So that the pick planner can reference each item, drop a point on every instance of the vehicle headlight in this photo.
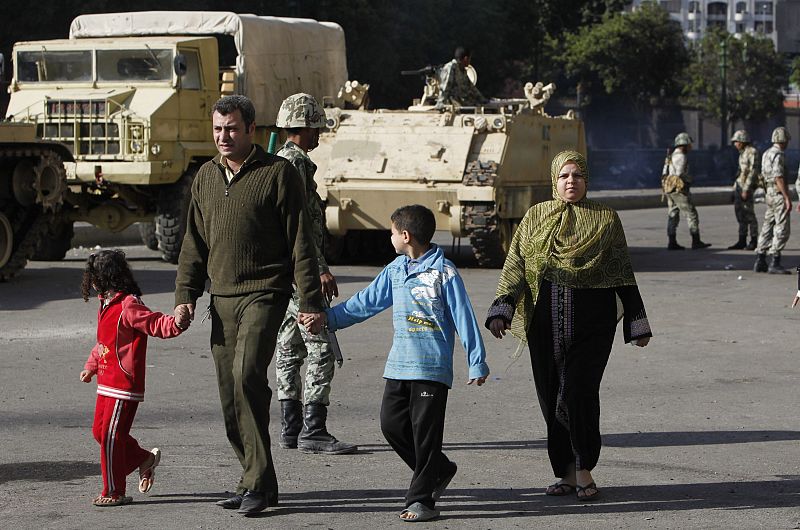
(136, 134)
(498, 123)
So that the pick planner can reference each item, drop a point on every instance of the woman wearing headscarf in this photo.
(565, 284)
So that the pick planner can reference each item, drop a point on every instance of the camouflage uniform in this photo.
(295, 344)
(746, 180)
(456, 88)
(776, 227)
(678, 201)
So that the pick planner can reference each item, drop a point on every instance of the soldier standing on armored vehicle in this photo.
(455, 87)
(679, 198)
(776, 227)
(302, 117)
(743, 189)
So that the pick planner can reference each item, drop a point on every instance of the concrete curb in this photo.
(651, 198)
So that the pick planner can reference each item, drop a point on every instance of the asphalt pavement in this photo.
(700, 428)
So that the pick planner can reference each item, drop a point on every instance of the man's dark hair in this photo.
(461, 52)
(229, 104)
(417, 221)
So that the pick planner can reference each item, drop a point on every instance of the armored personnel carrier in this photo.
(478, 169)
(32, 191)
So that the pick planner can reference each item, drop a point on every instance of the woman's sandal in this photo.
(148, 476)
(111, 500)
(587, 496)
(559, 489)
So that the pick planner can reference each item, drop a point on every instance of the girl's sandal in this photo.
(583, 495)
(111, 500)
(148, 476)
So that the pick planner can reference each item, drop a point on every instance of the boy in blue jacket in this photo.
(429, 304)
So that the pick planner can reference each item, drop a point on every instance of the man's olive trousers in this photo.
(243, 334)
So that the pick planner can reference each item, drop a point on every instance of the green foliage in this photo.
(639, 55)
(755, 76)
(794, 77)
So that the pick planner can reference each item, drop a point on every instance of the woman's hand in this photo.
(641, 342)
(498, 327)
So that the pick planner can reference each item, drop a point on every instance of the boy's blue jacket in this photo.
(429, 305)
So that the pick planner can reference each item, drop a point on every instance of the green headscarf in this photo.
(579, 245)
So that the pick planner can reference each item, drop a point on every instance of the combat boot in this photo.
(761, 263)
(752, 244)
(775, 266)
(673, 244)
(739, 245)
(291, 422)
(315, 438)
(696, 243)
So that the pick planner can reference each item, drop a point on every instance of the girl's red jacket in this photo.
(119, 355)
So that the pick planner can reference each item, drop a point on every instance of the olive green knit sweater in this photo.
(252, 234)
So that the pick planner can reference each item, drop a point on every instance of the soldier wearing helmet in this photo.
(302, 117)
(775, 230)
(744, 187)
(679, 198)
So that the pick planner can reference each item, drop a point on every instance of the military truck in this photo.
(129, 96)
(32, 191)
(478, 169)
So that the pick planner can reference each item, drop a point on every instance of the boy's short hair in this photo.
(417, 221)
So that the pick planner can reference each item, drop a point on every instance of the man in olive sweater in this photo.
(249, 233)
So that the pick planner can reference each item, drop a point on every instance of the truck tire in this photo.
(147, 231)
(173, 206)
(56, 241)
(19, 237)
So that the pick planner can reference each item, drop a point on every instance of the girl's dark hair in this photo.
(107, 270)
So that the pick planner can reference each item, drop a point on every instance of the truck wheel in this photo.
(173, 206)
(56, 241)
(20, 232)
(147, 231)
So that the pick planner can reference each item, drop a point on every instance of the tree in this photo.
(755, 77)
(638, 55)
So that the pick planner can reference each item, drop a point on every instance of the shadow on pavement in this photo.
(649, 259)
(498, 503)
(48, 471)
(672, 439)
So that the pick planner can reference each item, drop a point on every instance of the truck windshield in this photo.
(139, 65)
(42, 65)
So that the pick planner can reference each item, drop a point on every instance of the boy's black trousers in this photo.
(412, 421)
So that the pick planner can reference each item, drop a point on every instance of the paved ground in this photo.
(701, 428)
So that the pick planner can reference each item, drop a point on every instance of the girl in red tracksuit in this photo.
(118, 359)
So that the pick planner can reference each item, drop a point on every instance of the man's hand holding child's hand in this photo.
(183, 317)
(313, 322)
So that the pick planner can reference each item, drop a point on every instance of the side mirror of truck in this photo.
(179, 65)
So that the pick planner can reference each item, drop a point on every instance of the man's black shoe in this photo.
(231, 503)
(253, 502)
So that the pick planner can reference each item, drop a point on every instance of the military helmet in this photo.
(780, 135)
(741, 136)
(300, 110)
(683, 139)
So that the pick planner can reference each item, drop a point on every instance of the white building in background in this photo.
(778, 20)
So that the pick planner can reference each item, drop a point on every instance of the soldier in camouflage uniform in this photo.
(743, 189)
(775, 230)
(455, 88)
(305, 428)
(680, 200)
